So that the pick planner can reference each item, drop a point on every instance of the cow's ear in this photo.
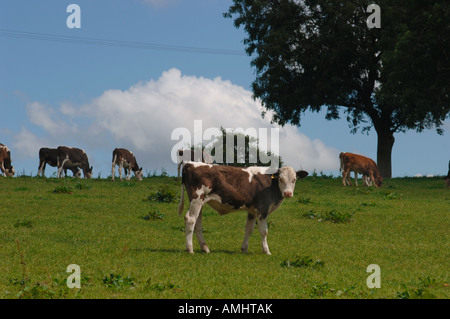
(301, 174)
(140, 169)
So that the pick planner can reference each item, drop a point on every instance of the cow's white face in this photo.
(88, 174)
(287, 177)
(77, 174)
(139, 174)
(286, 181)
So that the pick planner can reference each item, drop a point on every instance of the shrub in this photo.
(163, 196)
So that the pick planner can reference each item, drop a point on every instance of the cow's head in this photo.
(88, 173)
(378, 181)
(286, 177)
(139, 174)
(77, 174)
(10, 172)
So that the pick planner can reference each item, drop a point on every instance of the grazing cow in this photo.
(447, 178)
(192, 156)
(5, 161)
(49, 156)
(362, 165)
(228, 189)
(125, 159)
(72, 157)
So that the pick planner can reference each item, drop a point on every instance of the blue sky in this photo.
(100, 97)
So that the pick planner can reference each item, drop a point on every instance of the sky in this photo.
(136, 71)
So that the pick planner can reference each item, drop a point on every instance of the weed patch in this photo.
(155, 215)
(299, 262)
(118, 281)
(333, 216)
(62, 190)
(163, 196)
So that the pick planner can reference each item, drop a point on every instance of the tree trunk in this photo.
(384, 151)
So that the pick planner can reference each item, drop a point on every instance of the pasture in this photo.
(129, 241)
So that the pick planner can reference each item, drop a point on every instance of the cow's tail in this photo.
(181, 204)
(341, 158)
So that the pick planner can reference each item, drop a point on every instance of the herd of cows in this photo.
(225, 188)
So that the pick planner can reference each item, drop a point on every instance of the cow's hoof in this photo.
(206, 250)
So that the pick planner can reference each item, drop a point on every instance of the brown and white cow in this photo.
(125, 159)
(49, 156)
(5, 161)
(362, 165)
(72, 157)
(228, 189)
(184, 156)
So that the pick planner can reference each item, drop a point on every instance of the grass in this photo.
(129, 242)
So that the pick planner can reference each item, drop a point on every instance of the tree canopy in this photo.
(311, 55)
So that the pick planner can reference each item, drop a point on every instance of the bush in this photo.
(163, 196)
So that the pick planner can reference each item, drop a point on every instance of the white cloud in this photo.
(27, 144)
(143, 117)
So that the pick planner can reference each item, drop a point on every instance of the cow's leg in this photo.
(262, 225)
(249, 226)
(41, 169)
(113, 169)
(60, 168)
(373, 179)
(199, 233)
(128, 173)
(345, 173)
(120, 171)
(356, 178)
(189, 221)
(2, 168)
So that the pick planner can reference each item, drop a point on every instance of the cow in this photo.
(228, 189)
(447, 178)
(192, 156)
(49, 156)
(5, 161)
(362, 165)
(125, 159)
(72, 157)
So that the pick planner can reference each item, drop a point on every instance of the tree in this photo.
(311, 55)
(245, 148)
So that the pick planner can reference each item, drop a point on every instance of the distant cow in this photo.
(447, 178)
(5, 161)
(49, 156)
(125, 159)
(228, 189)
(362, 165)
(192, 156)
(72, 157)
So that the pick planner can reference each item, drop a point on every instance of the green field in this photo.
(129, 242)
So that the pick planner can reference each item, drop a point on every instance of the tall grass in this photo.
(129, 242)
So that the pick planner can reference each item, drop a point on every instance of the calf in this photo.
(192, 156)
(362, 165)
(125, 159)
(72, 157)
(5, 161)
(49, 156)
(228, 189)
